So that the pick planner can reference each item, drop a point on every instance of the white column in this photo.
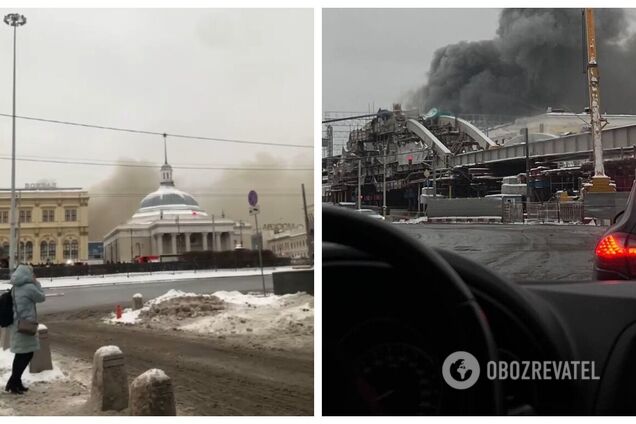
(174, 243)
(159, 244)
(187, 242)
(204, 239)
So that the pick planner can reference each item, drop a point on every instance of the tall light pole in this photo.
(600, 181)
(15, 20)
(359, 203)
(386, 147)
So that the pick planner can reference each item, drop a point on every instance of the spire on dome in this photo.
(165, 149)
(166, 169)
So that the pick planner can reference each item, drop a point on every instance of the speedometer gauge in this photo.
(398, 379)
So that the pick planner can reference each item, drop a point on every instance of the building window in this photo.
(52, 250)
(44, 251)
(70, 215)
(48, 215)
(4, 217)
(66, 250)
(28, 251)
(74, 249)
(25, 215)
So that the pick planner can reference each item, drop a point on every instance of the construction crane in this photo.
(600, 181)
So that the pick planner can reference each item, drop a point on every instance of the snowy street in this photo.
(227, 353)
(518, 252)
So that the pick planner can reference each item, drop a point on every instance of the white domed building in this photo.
(170, 222)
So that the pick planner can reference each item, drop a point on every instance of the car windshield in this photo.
(480, 161)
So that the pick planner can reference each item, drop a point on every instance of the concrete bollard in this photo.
(42, 358)
(151, 394)
(138, 301)
(5, 338)
(110, 382)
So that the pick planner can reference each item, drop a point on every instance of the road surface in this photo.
(73, 298)
(211, 376)
(518, 252)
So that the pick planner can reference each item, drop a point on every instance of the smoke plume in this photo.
(535, 61)
(114, 200)
(279, 192)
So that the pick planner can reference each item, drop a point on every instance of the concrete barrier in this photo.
(152, 394)
(109, 389)
(289, 282)
(5, 339)
(42, 358)
(137, 301)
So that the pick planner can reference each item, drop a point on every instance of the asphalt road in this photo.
(74, 298)
(518, 252)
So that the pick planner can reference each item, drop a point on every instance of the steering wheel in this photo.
(380, 358)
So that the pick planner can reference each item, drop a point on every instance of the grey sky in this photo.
(233, 73)
(379, 55)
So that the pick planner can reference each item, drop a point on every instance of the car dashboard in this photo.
(383, 335)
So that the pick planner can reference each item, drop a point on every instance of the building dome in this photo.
(167, 196)
(167, 200)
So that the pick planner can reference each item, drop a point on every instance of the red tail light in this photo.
(615, 246)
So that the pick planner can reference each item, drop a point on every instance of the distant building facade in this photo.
(52, 223)
(289, 245)
(171, 222)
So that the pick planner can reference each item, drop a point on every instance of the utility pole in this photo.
(386, 147)
(600, 182)
(359, 184)
(259, 240)
(15, 20)
(434, 174)
(310, 241)
(527, 141)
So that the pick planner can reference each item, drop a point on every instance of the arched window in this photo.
(28, 251)
(74, 249)
(44, 251)
(66, 249)
(21, 251)
(52, 251)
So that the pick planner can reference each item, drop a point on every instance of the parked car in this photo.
(370, 213)
(615, 253)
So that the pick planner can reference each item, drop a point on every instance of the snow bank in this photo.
(6, 363)
(258, 315)
(154, 277)
(281, 321)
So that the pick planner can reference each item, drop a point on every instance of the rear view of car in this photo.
(615, 253)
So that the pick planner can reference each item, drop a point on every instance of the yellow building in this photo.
(52, 225)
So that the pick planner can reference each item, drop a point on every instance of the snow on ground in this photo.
(6, 361)
(148, 277)
(61, 391)
(275, 322)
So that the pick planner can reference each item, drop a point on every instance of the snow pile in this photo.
(175, 304)
(290, 314)
(6, 363)
(273, 321)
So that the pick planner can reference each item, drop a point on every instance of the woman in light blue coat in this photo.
(26, 292)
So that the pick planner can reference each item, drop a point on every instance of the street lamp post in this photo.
(15, 20)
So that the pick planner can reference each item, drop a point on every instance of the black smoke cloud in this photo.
(535, 61)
